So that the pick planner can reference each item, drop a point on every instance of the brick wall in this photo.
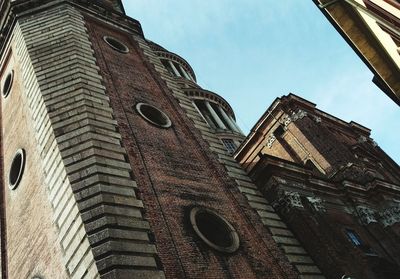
(175, 172)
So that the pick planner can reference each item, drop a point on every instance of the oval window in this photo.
(214, 230)
(115, 44)
(153, 115)
(7, 85)
(17, 169)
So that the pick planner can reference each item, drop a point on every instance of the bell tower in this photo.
(116, 163)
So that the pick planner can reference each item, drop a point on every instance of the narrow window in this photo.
(206, 113)
(354, 238)
(357, 241)
(218, 112)
(168, 67)
(16, 169)
(229, 145)
(7, 85)
(178, 67)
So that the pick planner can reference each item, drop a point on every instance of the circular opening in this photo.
(8, 84)
(214, 230)
(115, 44)
(17, 169)
(153, 115)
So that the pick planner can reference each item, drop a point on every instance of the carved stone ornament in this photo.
(362, 139)
(286, 120)
(317, 119)
(366, 214)
(299, 115)
(317, 203)
(270, 141)
(288, 200)
(390, 215)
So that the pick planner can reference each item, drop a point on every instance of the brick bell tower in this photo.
(116, 164)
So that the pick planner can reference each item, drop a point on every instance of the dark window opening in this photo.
(153, 115)
(115, 44)
(229, 145)
(179, 69)
(206, 113)
(8, 84)
(354, 238)
(279, 131)
(17, 169)
(218, 112)
(214, 230)
(357, 242)
(168, 67)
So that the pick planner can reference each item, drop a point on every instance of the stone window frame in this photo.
(6, 91)
(14, 185)
(233, 235)
(168, 121)
(229, 145)
(111, 41)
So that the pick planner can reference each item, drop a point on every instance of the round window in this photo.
(153, 115)
(214, 230)
(115, 44)
(17, 169)
(7, 85)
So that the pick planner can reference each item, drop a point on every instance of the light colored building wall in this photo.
(30, 228)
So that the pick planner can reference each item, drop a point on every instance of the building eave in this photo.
(391, 87)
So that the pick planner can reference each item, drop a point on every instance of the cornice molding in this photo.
(11, 11)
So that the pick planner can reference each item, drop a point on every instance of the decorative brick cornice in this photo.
(11, 10)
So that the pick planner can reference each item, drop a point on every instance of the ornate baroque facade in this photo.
(333, 186)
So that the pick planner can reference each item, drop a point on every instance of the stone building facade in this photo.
(116, 163)
(372, 29)
(335, 188)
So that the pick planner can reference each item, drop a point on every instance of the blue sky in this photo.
(252, 51)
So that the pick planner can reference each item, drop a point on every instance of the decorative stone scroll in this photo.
(362, 139)
(317, 119)
(366, 214)
(317, 203)
(288, 200)
(299, 115)
(286, 120)
(390, 215)
(270, 141)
